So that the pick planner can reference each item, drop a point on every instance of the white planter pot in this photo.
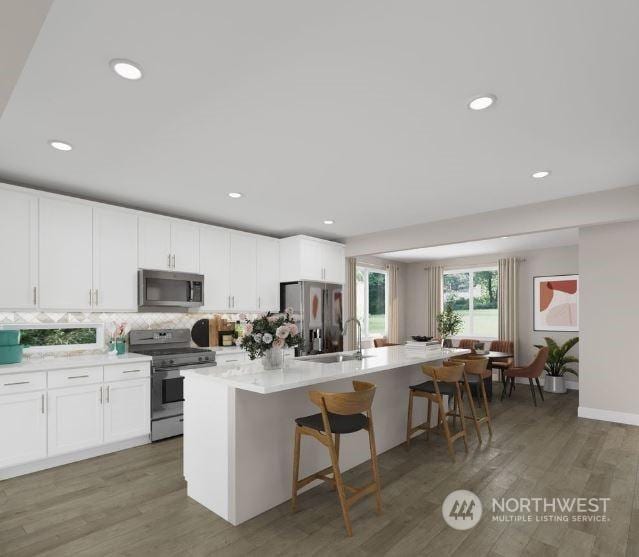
(554, 384)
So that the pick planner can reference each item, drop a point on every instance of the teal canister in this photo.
(9, 337)
(10, 354)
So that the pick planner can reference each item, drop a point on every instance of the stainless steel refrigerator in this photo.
(317, 307)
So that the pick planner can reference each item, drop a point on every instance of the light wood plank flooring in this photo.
(134, 502)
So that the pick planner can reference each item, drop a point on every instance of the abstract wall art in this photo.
(556, 303)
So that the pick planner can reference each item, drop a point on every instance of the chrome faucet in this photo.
(358, 354)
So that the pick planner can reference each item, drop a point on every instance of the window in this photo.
(372, 294)
(473, 293)
(52, 337)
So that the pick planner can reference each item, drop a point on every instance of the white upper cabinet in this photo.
(65, 255)
(268, 274)
(18, 246)
(243, 270)
(168, 244)
(306, 258)
(115, 260)
(184, 247)
(154, 243)
(214, 265)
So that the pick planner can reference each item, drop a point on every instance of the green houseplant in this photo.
(558, 364)
(449, 323)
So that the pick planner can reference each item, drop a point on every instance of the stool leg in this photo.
(296, 467)
(442, 418)
(428, 410)
(337, 440)
(375, 467)
(485, 399)
(341, 492)
(471, 402)
(409, 423)
(455, 410)
(463, 424)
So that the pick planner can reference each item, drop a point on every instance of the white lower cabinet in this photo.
(75, 418)
(23, 428)
(127, 409)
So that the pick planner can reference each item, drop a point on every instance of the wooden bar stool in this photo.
(340, 413)
(475, 371)
(444, 381)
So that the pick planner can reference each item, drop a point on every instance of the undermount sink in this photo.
(332, 358)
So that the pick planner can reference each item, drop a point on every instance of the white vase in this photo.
(273, 358)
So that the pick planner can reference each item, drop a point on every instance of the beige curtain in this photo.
(350, 302)
(508, 311)
(393, 303)
(434, 280)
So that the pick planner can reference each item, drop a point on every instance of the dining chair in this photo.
(502, 364)
(467, 343)
(381, 342)
(530, 372)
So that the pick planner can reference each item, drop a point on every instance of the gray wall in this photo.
(609, 308)
(553, 261)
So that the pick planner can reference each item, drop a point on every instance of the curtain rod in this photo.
(471, 265)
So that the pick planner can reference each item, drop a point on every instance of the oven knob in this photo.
(200, 359)
(171, 362)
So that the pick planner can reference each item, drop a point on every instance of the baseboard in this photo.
(572, 385)
(608, 416)
(59, 460)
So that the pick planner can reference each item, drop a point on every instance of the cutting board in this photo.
(200, 333)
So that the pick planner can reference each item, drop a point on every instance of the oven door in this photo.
(167, 393)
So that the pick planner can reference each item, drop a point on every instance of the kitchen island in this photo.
(239, 423)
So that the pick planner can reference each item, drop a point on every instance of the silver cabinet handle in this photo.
(16, 383)
(35, 295)
(259, 301)
(108, 394)
(100, 395)
(233, 298)
(76, 376)
(169, 263)
(96, 296)
(131, 370)
(232, 361)
(90, 296)
(43, 403)
(174, 261)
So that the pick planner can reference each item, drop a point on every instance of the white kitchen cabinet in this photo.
(23, 428)
(214, 265)
(168, 244)
(115, 260)
(243, 270)
(306, 258)
(75, 419)
(268, 274)
(18, 246)
(154, 243)
(65, 255)
(127, 409)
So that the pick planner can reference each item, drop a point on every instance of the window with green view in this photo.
(372, 301)
(57, 337)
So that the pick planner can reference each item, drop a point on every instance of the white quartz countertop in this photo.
(298, 372)
(69, 362)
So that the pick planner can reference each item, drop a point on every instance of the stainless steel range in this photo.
(171, 351)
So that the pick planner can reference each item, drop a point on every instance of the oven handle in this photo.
(192, 366)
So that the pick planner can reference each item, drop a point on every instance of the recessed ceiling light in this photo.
(235, 194)
(329, 221)
(541, 174)
(481, 103)
(126, 69)
(505, 237)
(60, 145)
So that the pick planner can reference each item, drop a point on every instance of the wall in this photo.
(609, 308)
(553, 261)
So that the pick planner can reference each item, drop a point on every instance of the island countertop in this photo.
(299, 372)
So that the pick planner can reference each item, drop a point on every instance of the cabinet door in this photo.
(127, 409)
(115, 260)
(75, 418)
(334, 263)
(154, 243)
(243, 266)
(65, 255)
(268, 274)
(18, 246)
(311, 264)
(23, 433)
(184, 247)
(214, 265)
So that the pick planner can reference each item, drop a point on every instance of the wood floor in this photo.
(134, 502)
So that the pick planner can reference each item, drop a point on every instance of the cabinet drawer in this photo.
(22, 382)
(74, 377)
(117, 372)
(222, 359)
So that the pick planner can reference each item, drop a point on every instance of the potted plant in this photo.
(449, 323)
(557, 364)
(267, 335)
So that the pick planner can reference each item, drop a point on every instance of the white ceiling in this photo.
(509, 244)
(354, 111)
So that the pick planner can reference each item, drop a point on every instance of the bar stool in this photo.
(340, 413)
(475, 371)
(444, 381)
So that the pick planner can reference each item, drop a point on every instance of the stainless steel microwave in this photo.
(169, 291)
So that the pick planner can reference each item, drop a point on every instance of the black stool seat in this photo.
(429, 387)
(339, 423)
